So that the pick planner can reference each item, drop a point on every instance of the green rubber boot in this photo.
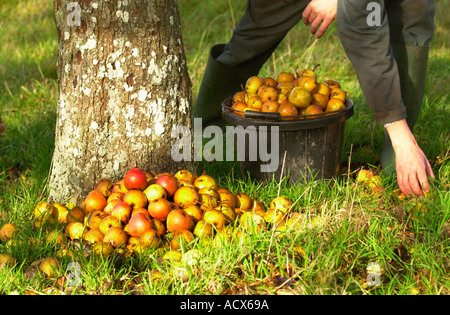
(219, 82)
(412, 66)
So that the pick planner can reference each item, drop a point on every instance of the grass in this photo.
(344, 227)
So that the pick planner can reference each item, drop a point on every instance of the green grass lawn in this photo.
(343, 229)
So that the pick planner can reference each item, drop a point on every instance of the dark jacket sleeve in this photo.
(369, 51)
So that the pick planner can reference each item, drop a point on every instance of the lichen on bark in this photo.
(123, 86)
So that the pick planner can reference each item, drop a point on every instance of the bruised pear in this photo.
(334, 104)
(285, 88)
(282, 98)
(254, 102)
(300, 97)
(323, 88)
(267, 93)
(270, 107)
(320, 100)
(238, 96)
(238, 108)
(308, 83)
(339, 94)
(333, 83)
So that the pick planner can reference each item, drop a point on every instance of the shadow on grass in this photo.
(29, 147)
(28, 45)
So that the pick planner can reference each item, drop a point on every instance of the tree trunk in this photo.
(123, 87)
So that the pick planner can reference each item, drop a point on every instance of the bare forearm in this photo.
(413, 168)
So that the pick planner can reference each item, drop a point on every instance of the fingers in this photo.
(306, 15)
(403, 183)
(320, 14)
(323, 28)
(315, 21)
(415, 181)
(429, 170)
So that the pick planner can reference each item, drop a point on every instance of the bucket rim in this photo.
(300, 124)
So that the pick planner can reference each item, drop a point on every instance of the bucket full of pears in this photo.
(309, 116)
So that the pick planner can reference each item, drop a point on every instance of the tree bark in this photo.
(123, 87)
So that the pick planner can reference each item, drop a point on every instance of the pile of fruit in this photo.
(159, 212)
(293, 97)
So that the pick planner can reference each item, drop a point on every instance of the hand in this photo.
(412, 165)
(2, 127)
(320, 13)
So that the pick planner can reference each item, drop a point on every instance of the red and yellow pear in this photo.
(94, 201)
(285, 76)
(185, 175)
(149, 238)
(181, 238)
(178, 219)
(226, 196)
(116, 237)
(93, 236)
(195, 212)
(139, 224)
(45, 211)
(136, 198)
(62, 212)
(300, 97)
(8, 231)
(104, 186)
(122, 211)
(203, 229)
(186, 196)
(160, 209)
(281, 203)
(76, 230)
(168, 182)
(205, 181)
(108, 222)
(76, 214)
(102, 249)
(252, 84)
(136, 179)
(244, 202)
(143, 211)
(215, 218)
(155, 191)
(50, 267)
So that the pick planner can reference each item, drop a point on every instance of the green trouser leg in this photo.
(412, 65)
(261, 29)
(219, 82)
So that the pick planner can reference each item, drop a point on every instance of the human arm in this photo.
(413, 168)
(368, 48)
(320, 14)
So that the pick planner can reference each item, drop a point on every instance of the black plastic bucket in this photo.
(308, 148)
